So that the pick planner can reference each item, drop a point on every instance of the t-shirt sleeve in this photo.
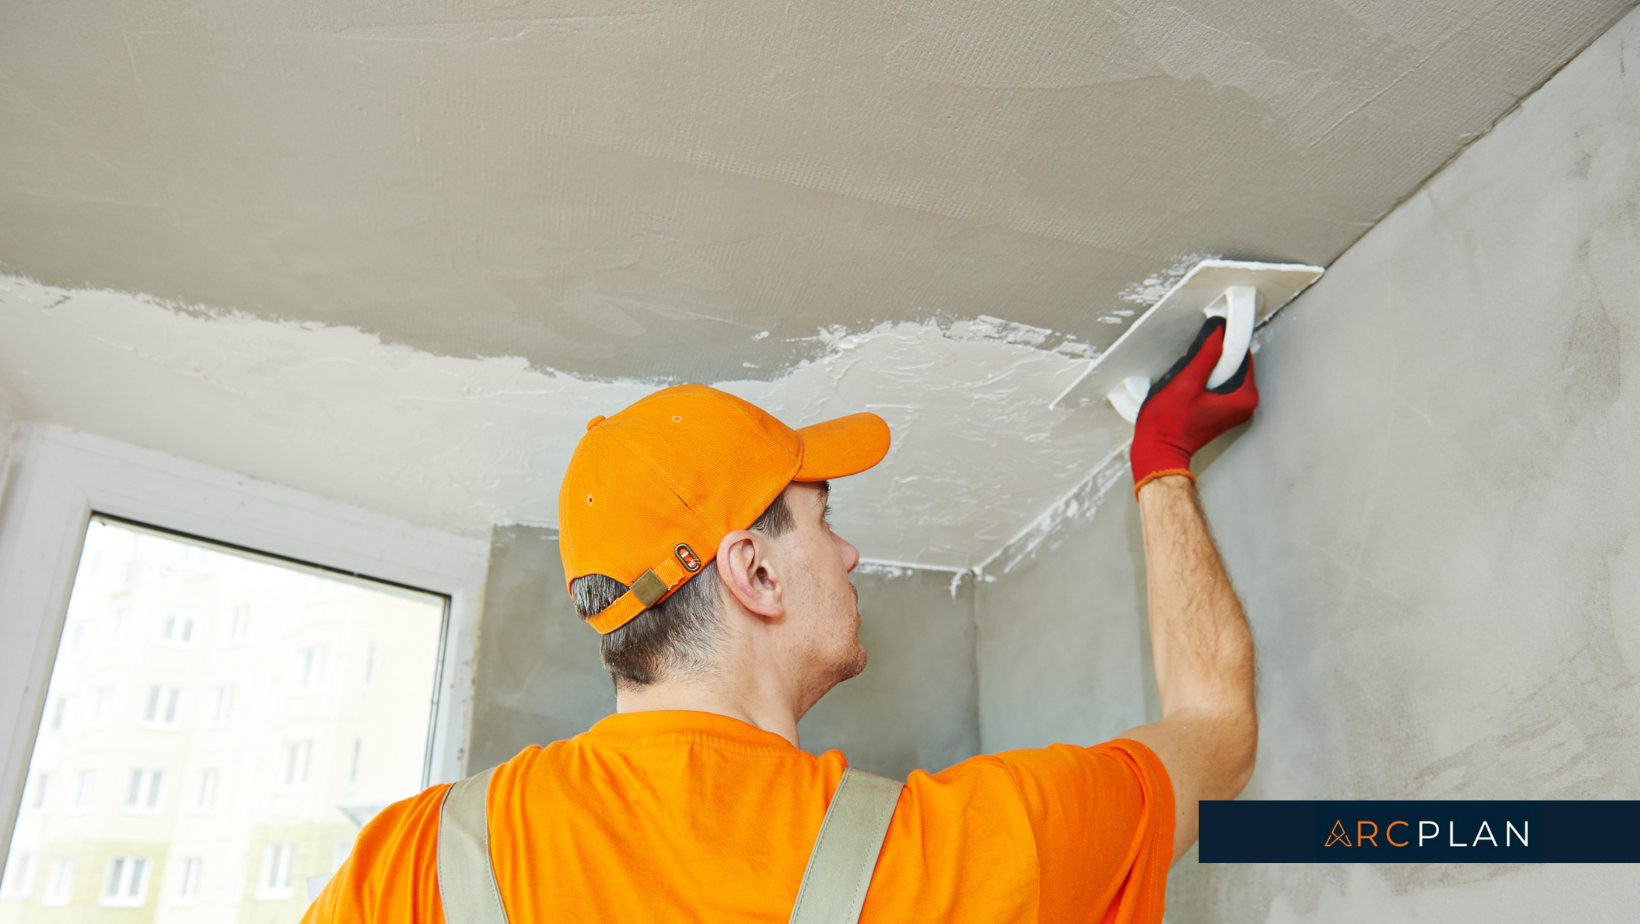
(391, 875)
(1103, 822)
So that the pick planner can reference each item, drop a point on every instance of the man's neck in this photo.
(747, 703)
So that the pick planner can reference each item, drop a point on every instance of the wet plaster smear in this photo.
(462, 444)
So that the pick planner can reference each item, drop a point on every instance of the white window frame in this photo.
(273, 880)
(59, 890)
(295, 765)
(17, 876)
(204, 797)
(126, 890)
(60, 477)
(188, 875)
(180, 627)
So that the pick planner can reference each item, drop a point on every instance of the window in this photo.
(310, 669)
(239, 622)
(37, 792)
(84, 786)
(293, 766)
(222, 705)
(188, 880)
(274, 882)
(129, 778)
(18, 879)
(164, 707)
(119, 629)
(58, 713)
(205, 790)
(59, 883)
(353, 768)
(323, 589)
(101, 706)
(179, 627)
(145, 792)
(193, 557)
(127, 882)
(369, 663)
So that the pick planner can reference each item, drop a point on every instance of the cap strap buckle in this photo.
(650, 588)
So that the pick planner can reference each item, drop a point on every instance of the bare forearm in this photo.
(1199, 635)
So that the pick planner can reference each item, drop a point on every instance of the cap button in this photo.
(595, 421)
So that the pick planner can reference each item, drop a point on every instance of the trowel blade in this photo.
(1163, 333)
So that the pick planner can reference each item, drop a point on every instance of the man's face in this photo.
(821, 599)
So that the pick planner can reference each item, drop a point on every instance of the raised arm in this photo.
(1208, 735)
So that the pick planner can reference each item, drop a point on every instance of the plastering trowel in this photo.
(1244, 294)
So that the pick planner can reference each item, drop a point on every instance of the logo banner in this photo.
(1420, 832)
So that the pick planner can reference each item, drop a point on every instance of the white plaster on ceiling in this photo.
(463, 443)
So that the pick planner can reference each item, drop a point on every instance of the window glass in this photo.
(200, 765)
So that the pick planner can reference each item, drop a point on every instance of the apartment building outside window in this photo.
(145, 765)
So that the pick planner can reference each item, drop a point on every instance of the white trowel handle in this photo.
(1238, 307)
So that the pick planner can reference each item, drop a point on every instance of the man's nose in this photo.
(851, 555)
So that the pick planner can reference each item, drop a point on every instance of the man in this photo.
(694, 537)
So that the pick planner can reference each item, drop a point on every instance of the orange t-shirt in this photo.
(664, 816)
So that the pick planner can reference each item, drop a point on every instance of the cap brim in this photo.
(845, 446)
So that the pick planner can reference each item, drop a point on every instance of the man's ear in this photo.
(748, 569)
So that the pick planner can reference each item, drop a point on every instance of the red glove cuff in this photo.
(1181, 415)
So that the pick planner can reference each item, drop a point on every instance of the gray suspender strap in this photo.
(834, 885)
(845, 852)
(466, 880)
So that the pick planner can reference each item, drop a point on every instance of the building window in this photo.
(369, 664)
(120, 629)
(205, 790)
(59, 713)
(164, 707)
(179, 627)
(126, 771)
(239, 623)
(193, 557)
(293, 765)
(101, 706)
(274, 882)
(188, 881)
(84, 786)
(323, 589)
(222, 705)
(59, 883)
(18, 879)
(146, 792)
(310, 669)
(127, 882)
(353, 767)
(37, 792)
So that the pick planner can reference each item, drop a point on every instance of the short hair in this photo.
(678, 635)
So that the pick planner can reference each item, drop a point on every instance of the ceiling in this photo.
(634, 193)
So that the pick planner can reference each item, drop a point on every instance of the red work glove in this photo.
(1182, 415)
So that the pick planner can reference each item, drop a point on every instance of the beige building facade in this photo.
(217, 728)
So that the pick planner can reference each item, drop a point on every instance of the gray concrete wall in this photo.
(1432, 522)
(1062, 651)
(539, 678)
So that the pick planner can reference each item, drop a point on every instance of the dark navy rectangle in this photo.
(1452, 831)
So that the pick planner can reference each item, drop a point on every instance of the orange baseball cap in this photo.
(651, 491)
